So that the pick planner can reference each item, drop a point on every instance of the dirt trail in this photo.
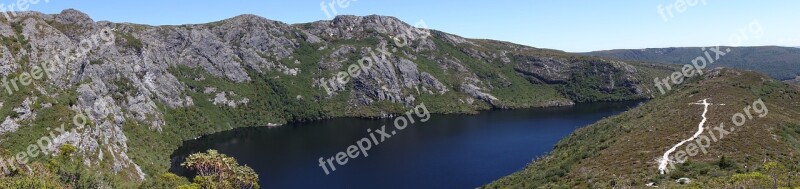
(664, 161)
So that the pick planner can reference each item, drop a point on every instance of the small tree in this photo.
(66, 150)
(71, 170)
(774, 169)
(217, 170)
(725, 163)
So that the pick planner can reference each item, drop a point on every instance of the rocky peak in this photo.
(72, 16)
(369, 19)
(376, 22)
(250, 19)
(359, 27)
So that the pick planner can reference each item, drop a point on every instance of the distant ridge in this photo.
(782, 63)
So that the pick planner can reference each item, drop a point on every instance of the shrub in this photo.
(217, 170)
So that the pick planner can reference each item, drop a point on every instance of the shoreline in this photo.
(183, 143)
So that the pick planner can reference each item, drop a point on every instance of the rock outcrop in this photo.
(144, 70)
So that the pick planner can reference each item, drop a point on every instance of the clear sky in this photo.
(570, 25)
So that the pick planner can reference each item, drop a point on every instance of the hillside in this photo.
(624, 150)
(138, 91)
(781, 63)
(795, 81)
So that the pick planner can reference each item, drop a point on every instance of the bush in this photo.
(217, 170)
(166, 180)
(725, 163)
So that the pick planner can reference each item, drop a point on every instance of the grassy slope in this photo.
(623, 149)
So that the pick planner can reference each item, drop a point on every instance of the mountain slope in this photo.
(147, 88)
(624, 150)
(795, 81)
(782, 63)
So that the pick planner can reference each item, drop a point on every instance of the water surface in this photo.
(447, 151)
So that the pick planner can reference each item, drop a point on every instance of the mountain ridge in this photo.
(165, 84)
(782, 63)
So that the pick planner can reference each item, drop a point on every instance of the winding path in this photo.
(662, 165)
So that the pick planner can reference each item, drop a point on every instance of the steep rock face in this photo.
(248, 64)
(22, 113)
(612, 74)
(548, 69)
(354, 27)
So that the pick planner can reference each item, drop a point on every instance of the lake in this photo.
(447, 151)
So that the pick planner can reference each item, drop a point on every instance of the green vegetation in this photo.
(69, 29)
(508, 85)
(585, 85)
(619, 151)
(65, 170)
(129, 40)
(17, 42)
(791, 134)
(215, 170)
(169, 180)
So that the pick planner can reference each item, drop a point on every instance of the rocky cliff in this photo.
(144, 88)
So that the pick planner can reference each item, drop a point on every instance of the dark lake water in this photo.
(447, 151)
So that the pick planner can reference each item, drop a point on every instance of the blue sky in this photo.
(570, 25)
